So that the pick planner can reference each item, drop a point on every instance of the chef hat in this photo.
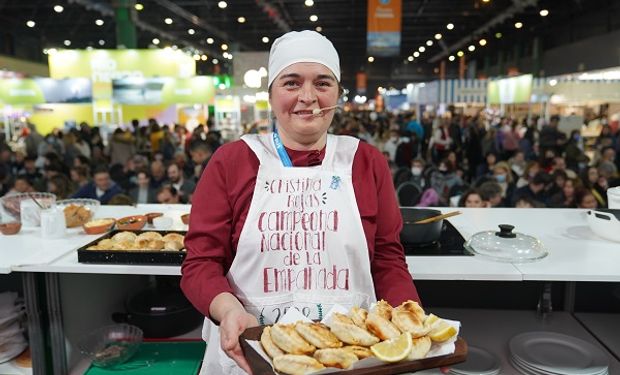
(302, 46)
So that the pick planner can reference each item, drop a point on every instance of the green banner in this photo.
(510, 90)
(106, 65)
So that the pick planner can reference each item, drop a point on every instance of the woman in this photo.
(595, 183)
(258, 194)
(503, 175)
(471, 198)
(566, 197)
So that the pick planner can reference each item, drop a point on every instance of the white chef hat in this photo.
(302, 46)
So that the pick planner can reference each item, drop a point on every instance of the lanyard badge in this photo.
(286, 160)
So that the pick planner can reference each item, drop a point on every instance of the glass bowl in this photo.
(78, 211)
(21, 207)
(111, 345)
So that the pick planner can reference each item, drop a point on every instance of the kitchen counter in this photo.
(576, 253)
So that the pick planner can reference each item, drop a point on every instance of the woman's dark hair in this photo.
(466, 195)
(63, 186)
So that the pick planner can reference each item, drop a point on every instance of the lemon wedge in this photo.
(430, 320)
(393, 350)
(442, 331)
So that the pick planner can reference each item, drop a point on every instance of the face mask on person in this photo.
(416, 171)
(501, 178)
(443, 169)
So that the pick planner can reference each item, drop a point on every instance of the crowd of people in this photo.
(447, 160)
(487, 161)
(143, 163)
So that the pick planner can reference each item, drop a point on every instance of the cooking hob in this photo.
(450, 244)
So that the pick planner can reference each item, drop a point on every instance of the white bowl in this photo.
(162, 222)
(604, 224)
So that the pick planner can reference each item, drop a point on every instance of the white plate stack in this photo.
(12, 340)
(549, 353)
(479, 362)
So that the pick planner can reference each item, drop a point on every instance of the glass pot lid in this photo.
(506, 245)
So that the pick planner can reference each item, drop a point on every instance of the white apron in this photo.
(302, 244)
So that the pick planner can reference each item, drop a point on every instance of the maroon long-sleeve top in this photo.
(222, 200)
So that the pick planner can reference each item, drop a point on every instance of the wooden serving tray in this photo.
(261, 367)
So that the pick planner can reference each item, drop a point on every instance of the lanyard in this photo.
(286, 160)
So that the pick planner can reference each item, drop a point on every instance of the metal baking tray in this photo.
(261, 367)
(134, 257)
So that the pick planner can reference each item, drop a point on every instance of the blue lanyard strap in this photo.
(286, 160)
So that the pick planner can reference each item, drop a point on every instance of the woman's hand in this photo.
(232, 325)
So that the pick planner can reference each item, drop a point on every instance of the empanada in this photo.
(335, 357)
(286, 338)
(292, 364)
(318, 335)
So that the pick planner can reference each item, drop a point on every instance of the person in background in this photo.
(534, 190)
(503, 175)
(487, 167)
(558, 179)
(550, 137)
(585, 199)
(184, 187)
(101, 188)
(226, 275)
(566, 197)
(596, 184)
(80, 175)
(391, 145)
(531, 168)
(121, 147)
(559, 164)
(143, 192)
(21, 184)
(168, 195)
(491, 194)
(441, 140)
(576, 159)
(30, 170)
(471, 198)
(517, 164)
(158, 174)
(61, 186)
(156, 136)
(417, 173)
(200, 152)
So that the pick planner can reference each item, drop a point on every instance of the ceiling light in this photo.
(67, 42)
(265, 39)
(416, 54)
(101, 42)
(221, 86)
(498, 35)
(371, 59)
(139, 6)
(59, 8)
(437, 36)
(460, 53)
(544, 13)
(482, 42)
(196, 57)
(191, 31)
(450, 26)
(241, 19)
(486, 1)
(210, 41)
(215, 61)
(155, 41)
(471, 47)
(451, 58)
(410, 58)
(51, 51)
(314, 18)
(30, 23)
(203, 57)
(553, 82)
(99, 22)
(168, 21)
(421, 49)
(224, 46)
(230, 56)
(318, 29)
(518, 25)
(309, 3)
(225, 54)
(429, 42)
(222, 4)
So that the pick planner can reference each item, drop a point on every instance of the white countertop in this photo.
(576, 253)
